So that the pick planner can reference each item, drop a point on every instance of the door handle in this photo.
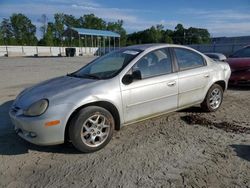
(206, 75)
(170, 84)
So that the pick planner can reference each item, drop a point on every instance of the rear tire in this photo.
(213, 99)
(91, 129)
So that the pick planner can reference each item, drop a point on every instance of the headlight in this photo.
(37, 108)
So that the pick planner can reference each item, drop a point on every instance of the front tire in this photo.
(91, 129)
(213, 98)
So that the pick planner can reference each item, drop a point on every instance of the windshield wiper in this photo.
(90, 76)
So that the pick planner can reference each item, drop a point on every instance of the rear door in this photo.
(193, 76)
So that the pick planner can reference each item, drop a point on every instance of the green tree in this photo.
(197, 36)
(23, 30)
(71, 21)
(155, 34)
(118, 28)
(48, 38)
(191, 35)
(168, 36)
(6, 35)
(179, 34)
(58, 27)
(92, 22)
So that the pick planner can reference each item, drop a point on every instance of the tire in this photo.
(213, 99)
(91, 129)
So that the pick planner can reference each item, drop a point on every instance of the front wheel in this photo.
(91, 129)
(213, 98)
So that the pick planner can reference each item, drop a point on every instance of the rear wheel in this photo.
(213, 99)
(91, 129)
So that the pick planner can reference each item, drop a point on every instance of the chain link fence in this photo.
(226, 49)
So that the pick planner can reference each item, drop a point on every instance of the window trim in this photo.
(171, 59)
(176, 60)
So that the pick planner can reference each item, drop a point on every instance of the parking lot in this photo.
(187, 148)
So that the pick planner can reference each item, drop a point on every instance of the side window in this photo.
(188, 59)
(154, 63)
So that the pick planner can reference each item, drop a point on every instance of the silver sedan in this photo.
(129, 85)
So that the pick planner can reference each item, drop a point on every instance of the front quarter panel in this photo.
(106, 90)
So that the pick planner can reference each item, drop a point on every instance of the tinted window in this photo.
(188, 59)
(154, 63)
(245, 52)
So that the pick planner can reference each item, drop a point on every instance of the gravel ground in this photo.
(184, 149)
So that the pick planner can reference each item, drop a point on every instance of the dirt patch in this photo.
(226, 126)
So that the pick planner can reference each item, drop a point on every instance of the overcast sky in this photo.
(221, 17)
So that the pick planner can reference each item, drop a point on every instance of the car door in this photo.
(155, 92)
(193, 76)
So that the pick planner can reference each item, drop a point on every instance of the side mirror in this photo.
(127, 79)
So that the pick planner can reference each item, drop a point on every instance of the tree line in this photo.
(180, 35)
(18, 29)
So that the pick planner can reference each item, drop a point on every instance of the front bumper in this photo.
(33, 129)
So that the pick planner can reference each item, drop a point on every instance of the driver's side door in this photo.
(157, 90)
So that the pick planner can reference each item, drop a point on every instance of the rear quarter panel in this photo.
(220, 72)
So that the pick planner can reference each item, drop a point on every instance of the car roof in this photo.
(149, 46)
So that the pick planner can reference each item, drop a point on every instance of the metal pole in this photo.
(96, 52)
(100, 46)
(98, 49)
(104, 45)
(109, 44)
(92, 43)
(119, 42)
(85, 44)
(79, 40)
(70, 38)
(79, 44)
(114, 43)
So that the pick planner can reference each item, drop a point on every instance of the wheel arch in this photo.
(104, 104)
(221, 83)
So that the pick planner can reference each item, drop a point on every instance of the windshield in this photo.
(108, 65)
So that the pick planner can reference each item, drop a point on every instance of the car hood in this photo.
(50, 89)
(239, 63)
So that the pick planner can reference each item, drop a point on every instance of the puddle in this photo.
(226, 126)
